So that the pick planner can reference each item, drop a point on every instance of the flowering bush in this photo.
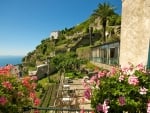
(17, 93)
(120, 90)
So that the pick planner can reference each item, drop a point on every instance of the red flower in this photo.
(121, 100)
(7, 85)
(26, 82)
(36, 101)
(32, 95)
(3, 101)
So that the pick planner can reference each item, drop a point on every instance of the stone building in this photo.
(135, 32)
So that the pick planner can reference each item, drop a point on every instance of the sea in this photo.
(14, 60)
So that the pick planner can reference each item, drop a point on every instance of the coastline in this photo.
(14, 60)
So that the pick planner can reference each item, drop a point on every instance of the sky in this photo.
(25, 23)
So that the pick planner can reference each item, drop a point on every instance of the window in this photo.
(114, 52)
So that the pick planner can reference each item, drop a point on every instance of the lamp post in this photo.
(48, 61)
(90, 32)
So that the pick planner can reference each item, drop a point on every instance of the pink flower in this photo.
(3, 101)
(148, 107)
(101, 74)
(106, 101)
(121, 100)
(102, 107)
(99, 107)
(34, 78)
(7, 85)
(140, 67)
(121, 78)
(133, 80)
(87, 93)
(82, 110)
(124, 70)
(94, 80)
(84, 83)
(105, 108)
(108, 74)
(143, 90)
(113, 71)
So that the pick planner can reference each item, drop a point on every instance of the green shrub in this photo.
(123, 90)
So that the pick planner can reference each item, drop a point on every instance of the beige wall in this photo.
(135, 32)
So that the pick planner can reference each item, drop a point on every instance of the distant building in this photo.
(54, 34)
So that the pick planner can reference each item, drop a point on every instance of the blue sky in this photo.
(24, 23)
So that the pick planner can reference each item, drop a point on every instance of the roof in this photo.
(42, 65)
(108, 43)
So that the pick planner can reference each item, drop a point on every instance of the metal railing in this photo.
(54, 110)
(108, 61)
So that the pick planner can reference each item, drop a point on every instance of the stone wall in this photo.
(135, 32)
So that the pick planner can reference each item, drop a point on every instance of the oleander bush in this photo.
(17, 93)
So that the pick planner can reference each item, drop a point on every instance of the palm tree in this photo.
(104, 11)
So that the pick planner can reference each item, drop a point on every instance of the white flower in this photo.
(143, 90)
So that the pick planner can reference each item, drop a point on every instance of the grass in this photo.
(43, 84)
(45, 89)
(47, 81)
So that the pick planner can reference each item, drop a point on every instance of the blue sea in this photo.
(10, 60)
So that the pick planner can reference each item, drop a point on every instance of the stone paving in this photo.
(79, 90)
(71, 95)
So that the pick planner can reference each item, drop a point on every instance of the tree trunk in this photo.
(104, 30)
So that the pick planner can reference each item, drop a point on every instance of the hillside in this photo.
(86, 34)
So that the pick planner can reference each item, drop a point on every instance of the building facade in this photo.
(54, 34)
(135, 32)
(106, 54)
